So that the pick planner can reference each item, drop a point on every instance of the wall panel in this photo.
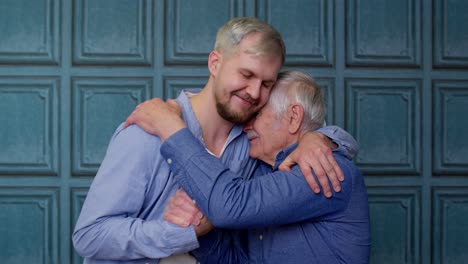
(450, 140)
(384, 33)
(189, 39)
(450, 229)
(451, 33)
(100, 105)
(28, 125)
(29, 225)
(307, 28)
(78, 196)
(30, 32)
(395, 224)
(384, 116)
(112, 32)
(173, 85)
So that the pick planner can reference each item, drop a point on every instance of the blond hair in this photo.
(231, 34)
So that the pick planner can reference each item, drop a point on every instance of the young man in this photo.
(122, 217)
(286, 222)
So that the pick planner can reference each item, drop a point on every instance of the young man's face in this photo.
(243, 82)
(267, 134)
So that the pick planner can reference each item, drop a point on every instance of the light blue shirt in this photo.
(122, 217)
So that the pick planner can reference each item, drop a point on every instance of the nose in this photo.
(248, 125)
(253, 90)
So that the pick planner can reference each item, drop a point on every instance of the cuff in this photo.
(179, 148)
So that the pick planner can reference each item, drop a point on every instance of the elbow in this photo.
(83, 244)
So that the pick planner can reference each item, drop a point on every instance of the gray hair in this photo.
(231, 34)
(297, 87)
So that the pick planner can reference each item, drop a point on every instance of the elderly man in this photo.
(286, 221)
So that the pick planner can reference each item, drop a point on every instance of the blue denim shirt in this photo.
(287, 222)
(122, 217)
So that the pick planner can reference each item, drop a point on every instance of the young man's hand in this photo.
(314, 152)
(157, 117)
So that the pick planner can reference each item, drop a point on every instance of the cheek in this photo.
(254, 150)
(265, 95)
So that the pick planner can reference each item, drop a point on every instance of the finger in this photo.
(330, 173)
(175, 106)
(336, 167)
(128, 121)
(187, 205)
(286, 164)
(176, 219)
(321, 177)
(182, 194)
(179, 215)
(309, 177)
(172, 102)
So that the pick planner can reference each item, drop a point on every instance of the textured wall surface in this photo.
(395, 74)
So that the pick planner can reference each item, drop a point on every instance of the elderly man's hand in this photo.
(157, 117)
(315, 152)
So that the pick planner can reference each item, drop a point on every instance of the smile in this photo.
(246, 100)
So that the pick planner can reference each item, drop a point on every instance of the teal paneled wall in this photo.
(395, 74)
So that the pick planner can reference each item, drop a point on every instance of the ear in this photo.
(295, 117)
(214, 60)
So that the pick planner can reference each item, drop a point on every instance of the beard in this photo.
(228, 114)
(225, 111)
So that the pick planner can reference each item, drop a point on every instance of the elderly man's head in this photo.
(296, 105)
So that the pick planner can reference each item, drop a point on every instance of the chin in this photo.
(253, 155)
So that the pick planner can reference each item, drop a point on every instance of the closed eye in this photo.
(247, 76)
(268, 85)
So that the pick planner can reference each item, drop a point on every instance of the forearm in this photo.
(124, 238)
(232, 202)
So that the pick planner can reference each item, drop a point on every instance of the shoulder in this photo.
(352, 173)
(134, 140)
(134, 134)
(346, 164)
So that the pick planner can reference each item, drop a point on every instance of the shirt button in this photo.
(260, 237)
(169, 161)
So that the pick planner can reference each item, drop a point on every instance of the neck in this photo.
(215, 129)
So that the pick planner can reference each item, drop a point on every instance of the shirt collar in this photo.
(191, 121)
(281, 156)
(187, 113)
